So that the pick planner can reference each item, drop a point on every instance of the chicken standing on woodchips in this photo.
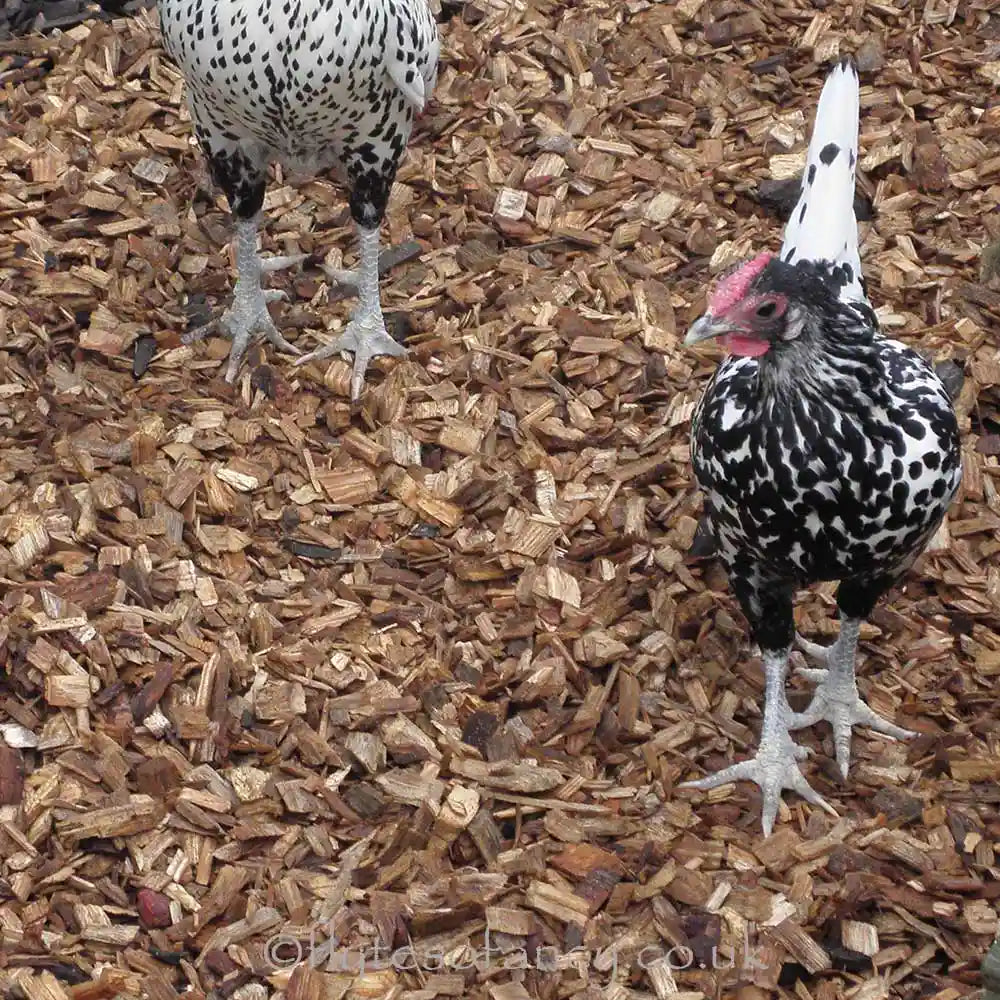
(315, 85)
(826, 452)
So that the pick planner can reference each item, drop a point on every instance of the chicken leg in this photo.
(248, 314)
(366, 335)
(775, 765)
(836, 697)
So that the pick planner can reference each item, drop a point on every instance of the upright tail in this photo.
(822, 226)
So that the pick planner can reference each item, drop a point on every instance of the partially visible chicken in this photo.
(316, 85)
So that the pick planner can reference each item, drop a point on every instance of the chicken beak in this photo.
(706, 327)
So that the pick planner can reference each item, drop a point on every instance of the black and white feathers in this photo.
(316, 85)
(825, 451)
(822, 226)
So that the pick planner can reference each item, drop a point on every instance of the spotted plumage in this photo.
(825, 450)
(317, 85)
(821, 227)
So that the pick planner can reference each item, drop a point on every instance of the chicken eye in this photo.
(767, 310)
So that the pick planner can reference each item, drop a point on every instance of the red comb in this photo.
(734, 286)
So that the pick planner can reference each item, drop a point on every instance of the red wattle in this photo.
(746, 347)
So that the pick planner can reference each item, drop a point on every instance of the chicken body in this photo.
(317, 85)
(826, 451)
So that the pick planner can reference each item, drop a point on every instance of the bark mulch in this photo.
(425, 674)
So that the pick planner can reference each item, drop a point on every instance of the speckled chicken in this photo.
(825, 450)
(317, 85)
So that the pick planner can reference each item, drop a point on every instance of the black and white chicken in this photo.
(316, 85)
(825, 450)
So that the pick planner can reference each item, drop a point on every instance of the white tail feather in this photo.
(822, 225)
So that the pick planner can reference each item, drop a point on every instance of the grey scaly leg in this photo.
(366, 335)
(775, 765)
(248, 314)
(836, 697)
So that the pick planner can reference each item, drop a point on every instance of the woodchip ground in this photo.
(434, 667)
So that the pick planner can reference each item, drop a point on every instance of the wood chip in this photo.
(432, 666)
